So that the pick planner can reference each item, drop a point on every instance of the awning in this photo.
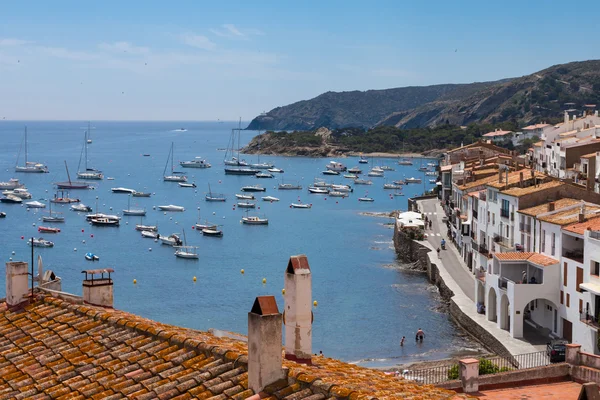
(468, 222)
(410, 215)
(591, 287)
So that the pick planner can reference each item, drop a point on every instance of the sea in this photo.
(366, 300)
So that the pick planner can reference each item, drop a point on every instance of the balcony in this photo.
(504, 213)
(525, 228)
(587, 318)
(504, 242)
(475, 215)
(482, 249)
(575, 255)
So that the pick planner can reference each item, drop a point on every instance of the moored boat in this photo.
(104, 222)
(375, 173)
(318, 190)
(300, 205)
(246, 204)
(210, 196)
(149, 234)
(212, 232)
(335, 166)
(362, 182)
(35, 204)
(173, 176)
(48, 229)
(264, 175)
(338, 194)
(122, 190)
(330, 172)
(197, 162)
(89, 217)
(391, 186)
(13, 183)
(11, 199)
(91, 257)
(172, 207)
(275, 170)
(187, 185)
(245, 196)
(342, 188)
(254, 220)
(171, 240)
(40, 242)
(368, 199)
(350, 176)
(413, 180)
(151, 228)
(253, 188)
(289, 186)
(29, 166)
(18, 192)
(81, 208)
(270, 198)
(355, 170)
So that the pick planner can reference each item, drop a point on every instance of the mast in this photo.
(26, 151)
(172, 157)
(85, 139)
(239, 134)
(167, 164)
(68, 176)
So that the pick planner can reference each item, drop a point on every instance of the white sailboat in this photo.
(29, 166)
(87, 173)
(173, 177)
(134, 211)
(57, 217)
(185, 251)
(210, 196)
(89, 134)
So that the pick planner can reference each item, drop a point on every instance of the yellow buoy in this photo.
(315, 303)
(264, 280)
(194, 279)
(134, 281)
(283, 291)
(242, 271)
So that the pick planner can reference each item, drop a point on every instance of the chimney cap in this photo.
(298, 265)
(265, 305)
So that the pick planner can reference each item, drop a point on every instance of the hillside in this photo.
(529, 99)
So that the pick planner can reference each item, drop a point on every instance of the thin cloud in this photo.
(124, 47)
(11, 42)
(198, 41)
(233, 32)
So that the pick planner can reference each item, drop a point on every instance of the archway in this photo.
(491, 305)
(505, 313)
(540, 319)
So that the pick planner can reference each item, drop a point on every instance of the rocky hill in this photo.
(533, 98)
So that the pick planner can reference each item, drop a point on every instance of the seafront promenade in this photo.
(456, 276)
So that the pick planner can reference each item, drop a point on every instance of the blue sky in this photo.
(198, 60)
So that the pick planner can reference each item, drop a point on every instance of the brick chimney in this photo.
(499, 176)
(298, 310)
(264, 344)
(581, 216)
(98, 290)
(591, 176)
(17, 278)
(520, 179)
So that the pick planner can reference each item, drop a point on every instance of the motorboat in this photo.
(423, 168)
(386, 168)
(363, 160)
(2, 214)
(432, 181)
(270, 198)
(369, 199)
(275, 170)
(19, 192)
(377, 169)
(105, 222)
(172, 207)
(63, 199)
(11, 184)
(399, 182)
(355, 170)
(253, 188)
(375, 173)
(173, 176)
(362, 182)
(350, 176)
(29, 165)
(321, 183)
(206, 225)
(330, 172)
(89, 217)
(11, 199)
(188, 252)
(123, 190)
(149, 234)
(140, 194)
(391, 186)
(431, 164)
(398, 194)
(261, 166)
(110, 178)
(90, 175)
(246, 204)
(338, 194)
(297, 205)
(240, 171)
(197, 162)
(187, 185)
(318, 190)
(342, 188)
(405, 162)
(289, 186)
(264, 175)
(431, 173)
(48, 229)
(40, 242)
(150, 228)
(413, 180)
(81, 208)
(254, 220)
(212, 232)
(210, 196)
(171, 240)
(35, 204)
(335, 166)
(91, 257)
(245, 196)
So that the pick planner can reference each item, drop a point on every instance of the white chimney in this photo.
(566, 117)
(264, 344)
(16, 282)
(297, 315)
(98, 290)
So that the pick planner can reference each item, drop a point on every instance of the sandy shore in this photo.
(387, 155)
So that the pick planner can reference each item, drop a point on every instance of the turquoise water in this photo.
(365, 303)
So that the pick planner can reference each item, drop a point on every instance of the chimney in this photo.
(520, 179)
(499, 176)
(98, 290)
(582, 213)
(551, 206)
(591, 175)
(17, 278)
(264, 344)
(566, 117)
(506, 183)
(298, 310)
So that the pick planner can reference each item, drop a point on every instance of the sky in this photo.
(222, 60)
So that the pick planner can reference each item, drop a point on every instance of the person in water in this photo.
(420, 335)
(402, 340)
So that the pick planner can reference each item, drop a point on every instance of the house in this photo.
(499, 136)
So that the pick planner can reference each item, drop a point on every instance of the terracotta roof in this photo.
(518, 192)
(591, 155)
(55, 349)
(536, 126)
(570, 216)
(534, 258)
(497, 133)
(478, 182)
(514, 177)
(543, 208)
(446, 168)
(580, 227)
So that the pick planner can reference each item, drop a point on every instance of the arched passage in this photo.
(540, 319)
(505, 313)
(491, 305)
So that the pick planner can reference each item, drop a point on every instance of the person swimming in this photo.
(420, 335)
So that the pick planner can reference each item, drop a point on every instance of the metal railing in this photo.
(483, 249)
(519, 361)
(589, 319)
(504, 213)
(431, 376)
(525, 228)
(595, 234)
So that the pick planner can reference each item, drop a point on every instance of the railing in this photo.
(504, 213)
(525, 228)
(519, 361)
(595, 234)
(589, 319)
(482, 249)
(431, 376)
(575, 255)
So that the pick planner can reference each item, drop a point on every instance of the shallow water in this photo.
(364, 307)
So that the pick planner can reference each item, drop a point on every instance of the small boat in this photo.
(253, 220)
(140, 194)
(350, 176)
(413, 180)
(431, 173)
(261, 166)
(355, 170)
(2, 214)
(172, 207)
(362, 182)
(405, 162)
(270, 198)
(245, 204)
(197, 162)
(11, 184)
(275, 170)
(48, 229)
(338, 194)
(29, 165)
(386, 168)
(342, 188)
(149, 234)
(146, 155)
(391, 186)
(335, 166)
(205, 225)
(171, 240)
(289, 186)
(330, 172)
(122, 190)
(91, 257)
(400, 182)
(363, 160)
(173, 177)
(110, 178)
(240, 171)
(235, 161)
(296, 205)
(40, 242)
(69, 184)
(188, 252)
(210, 196)
(105, 222)
(87, 173)
(18, 192)
(432, 181)
(149, 228)
(253, 188)
(133, 211)
(245, 196)
(369, 199)
(11, 199)
(375, 173)
(398, 194)
(187, 185)
(320, 183)
(89, 217)
(53, 217)
(63, 199)
(212, 232)
(264, 175)
(422, 168)
(35, 204)
(318, 190)
(431, 164)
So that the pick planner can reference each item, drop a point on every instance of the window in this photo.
(579, 279)
(580, 306)
(568, 300)
(543, 238)
(553, 244)
(493, 219)
(595, 268)
(505, 210)
(562, 296)
(565, 270)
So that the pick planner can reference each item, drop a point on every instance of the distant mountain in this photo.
(533, 98)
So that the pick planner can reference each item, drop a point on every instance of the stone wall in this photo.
(409, 250)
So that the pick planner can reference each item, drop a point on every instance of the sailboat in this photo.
(234, 166)
(406, 161)
(53, 218)
(88, 173)
(206, 225)
(210, 196)
(185, 251)
(71, 184)
(29, 166)
(89, 135)
(258, 164)
(130, 211)
(173, 177)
